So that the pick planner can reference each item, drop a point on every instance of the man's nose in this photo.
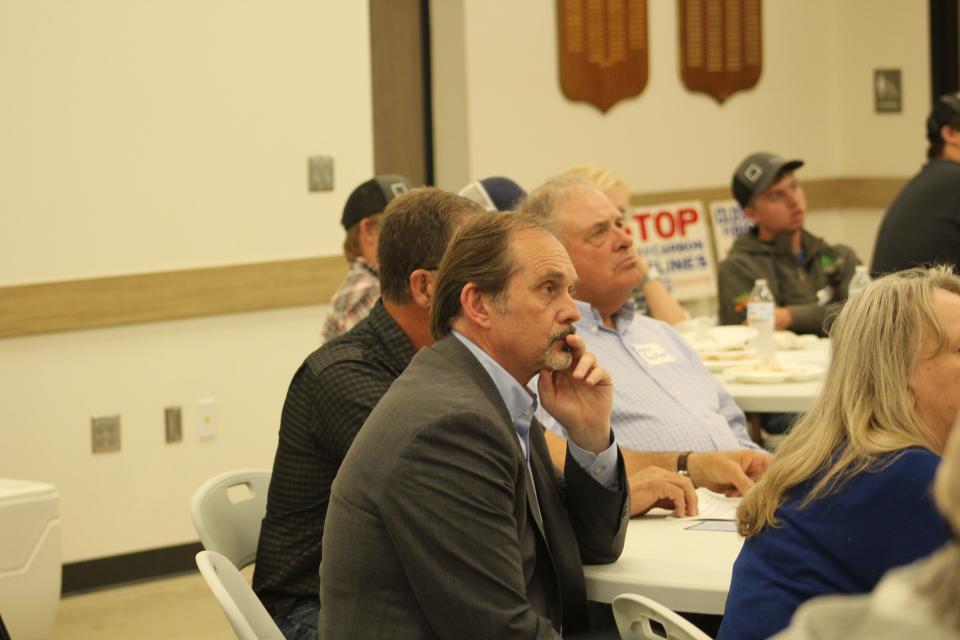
(623, 238)
(793, 198)
(569, 312)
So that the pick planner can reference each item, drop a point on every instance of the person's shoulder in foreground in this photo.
(447, 519)
(918, 601)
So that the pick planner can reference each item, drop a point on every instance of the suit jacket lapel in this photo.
(560, 538)
(451, 347)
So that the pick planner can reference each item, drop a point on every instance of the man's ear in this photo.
(369, 230)
(950, 135)
(750, 213)
(475, 305)
(422, 284)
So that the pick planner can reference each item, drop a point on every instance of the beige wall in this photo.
(814, 101)
(139, 136)
(145, 136)
(138, 498)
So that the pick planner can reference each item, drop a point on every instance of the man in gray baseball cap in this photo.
(805, 274)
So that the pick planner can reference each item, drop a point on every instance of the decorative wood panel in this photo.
(400, 137)
(603, 52)
(721, 45)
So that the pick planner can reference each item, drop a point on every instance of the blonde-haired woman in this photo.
(847, 496)
(659, 304)
(919, 601)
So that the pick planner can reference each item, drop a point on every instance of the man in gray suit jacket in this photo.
(447, 519)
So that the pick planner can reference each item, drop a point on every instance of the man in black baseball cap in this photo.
(360, 289)
(805, 274)
(922, 226)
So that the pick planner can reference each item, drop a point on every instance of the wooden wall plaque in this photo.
(721, 45)
(603, 50)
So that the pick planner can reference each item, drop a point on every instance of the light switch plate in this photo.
(105, 434)
(172, 424)
(207, 418)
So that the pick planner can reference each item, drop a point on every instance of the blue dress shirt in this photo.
(522, 405)
(664, 399)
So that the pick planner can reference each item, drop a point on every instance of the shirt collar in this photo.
(591, 319)
(361, 262)
(521, 403)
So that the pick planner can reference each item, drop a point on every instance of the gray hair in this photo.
(545, 199)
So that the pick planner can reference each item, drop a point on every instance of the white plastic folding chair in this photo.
(247, 615)
(640, 618)
(227, 511)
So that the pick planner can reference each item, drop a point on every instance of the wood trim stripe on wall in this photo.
(822, 193)
(151, 297)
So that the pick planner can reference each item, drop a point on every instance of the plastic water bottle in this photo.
(859, 281)
(760, 316)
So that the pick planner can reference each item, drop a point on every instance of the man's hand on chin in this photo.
(580, 397)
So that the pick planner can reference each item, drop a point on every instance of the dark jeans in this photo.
(778, 423)
(301, 624)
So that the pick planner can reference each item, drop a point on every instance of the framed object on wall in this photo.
(603, 52)
(721, 45)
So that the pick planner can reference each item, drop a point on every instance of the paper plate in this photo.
(790, 341)
(804, 372)
(720, 338)
(768, 375)
(717, 366)
(729, 354)
(756, 374)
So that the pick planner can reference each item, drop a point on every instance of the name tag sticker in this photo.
(653, 354)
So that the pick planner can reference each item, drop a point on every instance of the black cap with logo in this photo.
(372, 197)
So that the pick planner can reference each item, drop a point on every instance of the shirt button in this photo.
(593, 330)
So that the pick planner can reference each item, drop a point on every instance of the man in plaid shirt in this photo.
(360, 289)
(333, 392)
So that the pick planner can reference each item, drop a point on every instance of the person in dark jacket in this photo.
(806, 275)
(922, 226)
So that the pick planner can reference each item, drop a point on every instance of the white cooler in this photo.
(30, 565)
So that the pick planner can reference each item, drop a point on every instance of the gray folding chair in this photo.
(640, 618)
(227, 511)
(247, 615)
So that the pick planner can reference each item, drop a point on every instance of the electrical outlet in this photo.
(207, 418)
(320, 173)
(105, 434)
(173, 427)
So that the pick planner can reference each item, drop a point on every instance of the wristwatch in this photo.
(651, 275)
(682, 464)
